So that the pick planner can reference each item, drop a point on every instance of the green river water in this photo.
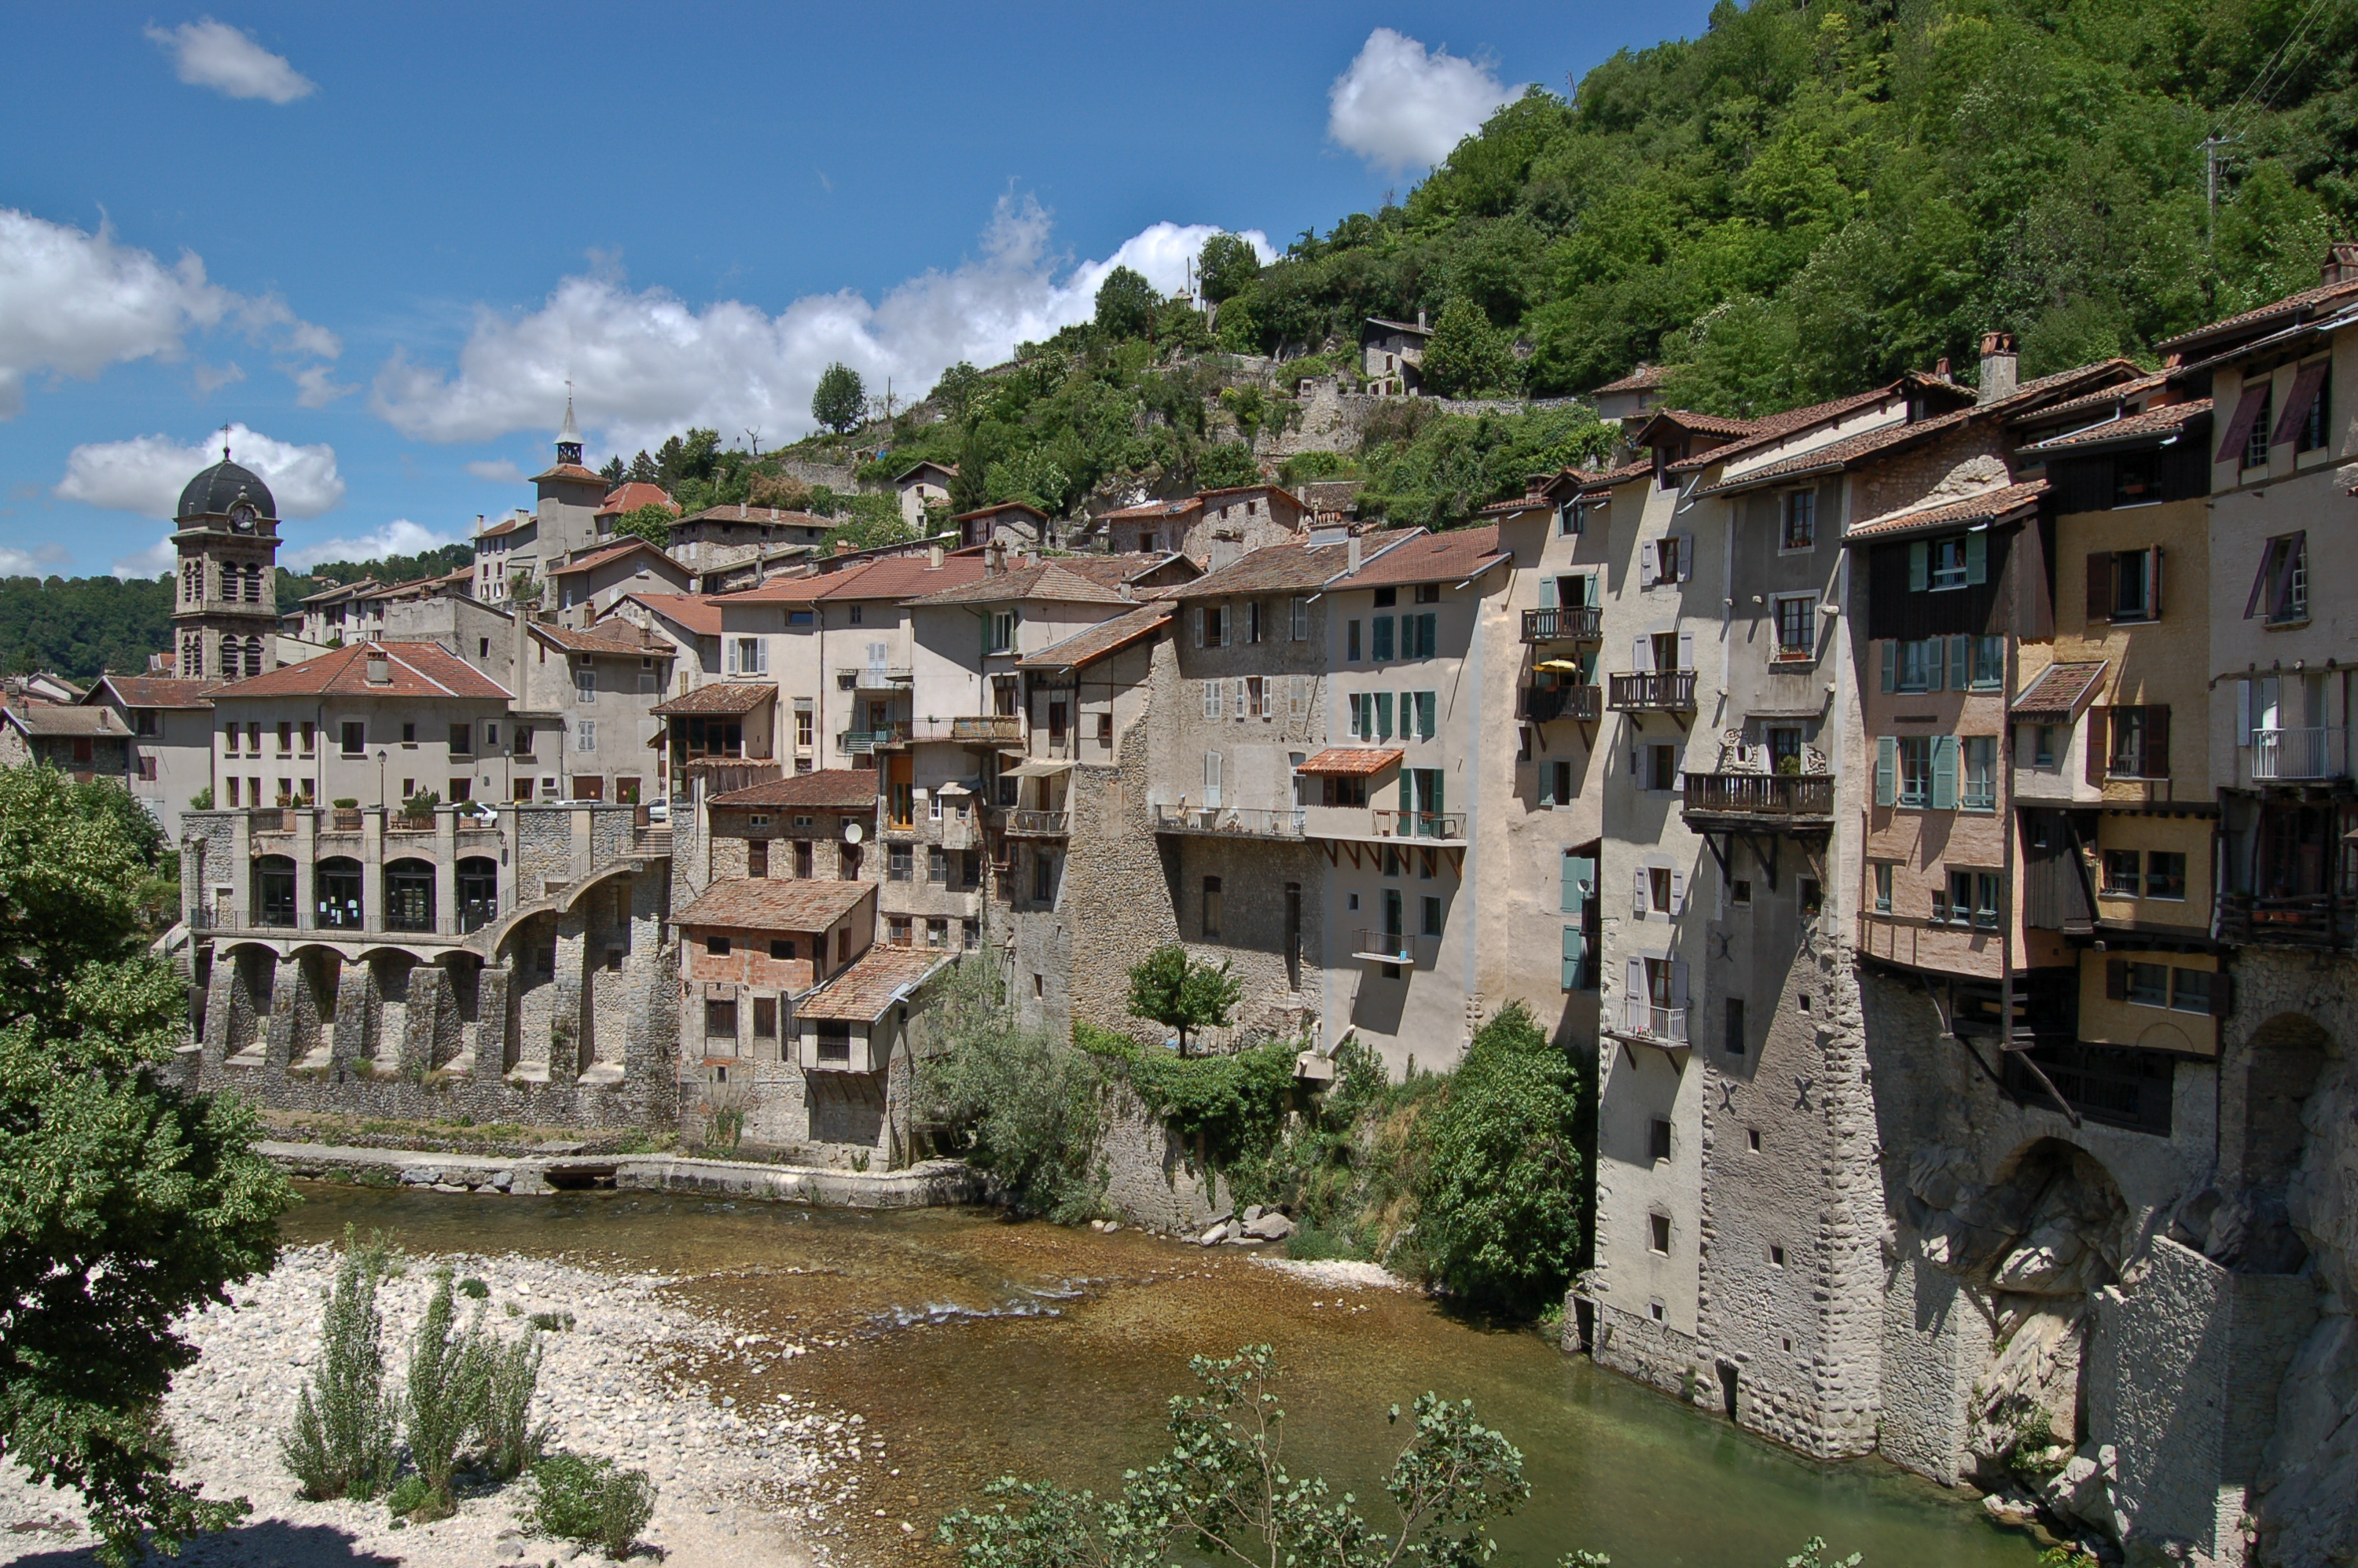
(979, 1346)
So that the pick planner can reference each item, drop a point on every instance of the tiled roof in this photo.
(1071, 579)
(1989, 506)
(160, 691)
(1594, 484)
(338, 590)
(2106, 397)
(510, 525)
(1772, 427)
(1430, 557)
(1292, 565)
(902, 576)
(949, 469)
(2168, 417)
(834, 789)
(1004, 506)
(1835, 454)
(1525, 502)
(738, 511)
(1645, 378)
(1151, 510)
(863, 993)
(1331, 494)
(1249, 490)
(1095, 643)
(638, 492)
(786, 904)
(1708, 424)
(1351, 762)
(2291, 305)
(2028, 397)
(417, 669)
(608, 636)
(720, 697)
(2059, 691)
(1399, 325)
(570, 471)
(55, 719)
(610, 553)
(698, 615)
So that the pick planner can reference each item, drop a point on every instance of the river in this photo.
(978, 1346)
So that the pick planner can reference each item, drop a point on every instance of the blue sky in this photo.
(379, 241)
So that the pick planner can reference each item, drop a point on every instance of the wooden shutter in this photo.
(1686, 557)
(1637, 899)
(1237, 698)
(2117, 980)
(1686, 651)
(1211, 698)
(1427, 705)
(2239, 428)
(1199, 626)
(1633, 994)
(1977, 555)
(1944, 773)
(1935, 657)
(1642, 661)
(2288, 560)
(1886, 771)
(2100, 586)
(1547, 784)
(1919, 566)
(1891, 663)
(2154, 764)
(1961, 664)
(1678, 892)
(1547, 593)
(1383, 700)
(1578, 872)
(2098, 734)
(1576, 949)
(1646, 557)
(1678, 1030)
(2261, 580)
(2305, 384)
(2153, 584)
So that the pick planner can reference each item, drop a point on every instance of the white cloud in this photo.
(498, 470)
(146, 473)
(213, 54)
(212, 378)
(155, 560)
(398, 537)
(315, 388)
(73, 303)
(646, 363)
(1402, 108)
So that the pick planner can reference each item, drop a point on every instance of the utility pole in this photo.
(2209, 146)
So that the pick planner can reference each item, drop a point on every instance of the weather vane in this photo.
(225, 440)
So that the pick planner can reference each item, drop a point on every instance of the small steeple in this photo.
(568, 435)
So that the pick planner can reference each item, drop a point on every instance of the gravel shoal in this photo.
(737, 1484)
(1340, 1273)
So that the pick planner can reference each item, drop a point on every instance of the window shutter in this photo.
(1891, 663)
(1647, 559)
(1577, 870)
(1574, 942)
(2098, 724)
(1919, 566)
(1886, 771)
(1642, 657)
(1678, 892)
(2100, 586)
(1547, 593)
(2244, 712)
(2239, 428)
(2154, 764)
(1944, 773)
(1211, 778)
(1408, 789)
(1427, 702)
(1199, 626)
(1686, 651)
(1298, 700)
(2305, 384)
(2117, 980)
(2287, 562)
(1686, 557)
(2222, 994)
(1211, 696)
(1634, 994)
(2153, 584)
(1678, 1030)
(2261, 580)
(1977, 555)
(1637, 899)
(1960, 663)
(1432, 792)
(1935, 648)
(1383, 700)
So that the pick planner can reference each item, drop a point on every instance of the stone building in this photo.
(225, 604)
(923, 485)
(590, 583)
(1012, 525)
(1392, 356)
(89, 743)
(720, 536)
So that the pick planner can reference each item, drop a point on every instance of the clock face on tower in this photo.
(241, 518)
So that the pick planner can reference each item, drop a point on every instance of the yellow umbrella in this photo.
(1561, 667)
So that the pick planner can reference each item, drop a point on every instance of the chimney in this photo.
(994, 557)
(1128, 592)
(1351, 552)
(1419, 317)
(2342, 262)
(933, 555)
(1941, 368)
(1998, 367)
(380, 670)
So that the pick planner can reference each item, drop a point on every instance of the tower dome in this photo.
(212, 492)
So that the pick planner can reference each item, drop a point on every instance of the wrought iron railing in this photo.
(1395, 823)
(2314, 752)
(1792, 797)
(1653, 691)
(1574, 623)
(1541, 704)
(1641, 1017)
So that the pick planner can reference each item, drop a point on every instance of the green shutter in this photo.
(1886, 771)
(1961, 664)
(1579, 871)
(1891, 663)
(1408, 789)
(1427, 707)
(1944, 773)
(1977, 555)
(1576, 952)
(1547, 593)
(1919, 566)
(1384, 717)
(1432, 792)
(1935, 671)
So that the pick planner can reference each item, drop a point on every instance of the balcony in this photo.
(860, 742)
(1666, 1026)
(1541, 704)
(1653, 691)
(2300, 920)
(1240, 821)
(1384, 947)
(2290, 756)
(1574, 624)
(1437, 825)
(872, 677)
(1038, 823)
(1778, 803)
(973, 730)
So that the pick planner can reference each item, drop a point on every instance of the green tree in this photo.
(1226, 267)
(1126, 304)
(1016, 1103)
(613, 472)
(841, 401)
(1503, 1186)
(124, 1203)
(643, 469)
(1465, 354)
(1183, 994)
(652, 523)
(955, 392)
(1230, 463)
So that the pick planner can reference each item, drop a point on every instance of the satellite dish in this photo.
(853, 833)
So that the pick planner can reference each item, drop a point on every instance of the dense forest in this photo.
(84, 627)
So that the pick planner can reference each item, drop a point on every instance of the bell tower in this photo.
(225, 605)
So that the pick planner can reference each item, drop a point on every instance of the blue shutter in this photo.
(1935, 677)
(1547, 784)
(1384, 717)
(1944, 773)
(1919, 566)
(1547, 593)
(1579, 872)
(1977, 555)
(1886, 771)
(1891, 663)
(1961, 664)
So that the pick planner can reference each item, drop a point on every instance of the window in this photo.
(2149, 985)
(462, 739)
(1298, 626)
(718, 946)
(2122, 869)
(720, 1023)
(782, 948)
(2134, 481)
(1657, 1238)
(1659, 894)
(1883, 888)
(1428, 594)
(584, 734)
(1916, 771)
(834, 1041)
(1349, 792)
(1918, 664)
(1739, 892)
(2316, 421)
(2136, 577)
(1256, 703)
(2140, 743)
(1813, 903)
(805, 727)
(1001, 632)
(2189, 990)
(1351, 641)
(2165, 874)
(2043, 745)
(970, 935)
(896, 930)
(748, 656)
(1978, 790)
(1420, 635)
(1658, 1139)
(1948, 564)
(757, 858)
(585, 683)
(1776, 1257)
(765, 1018)
(801, 618)
(1252, 621)
(1211, 927)
(896, 862)
(1386, 598)
(1662, 767)
(1733, 1039)
(1988, 663)
(1559, 783)
(408, 736)
(1972, 900)
(1432, 916)
(1796, 626)
(937, 932)
(285, 737)
(1671, 556)
(523, 741)
(2255, 445)
(937, 862)
(1381, 647)
(354, 737)
(1801, 529)
(2281, 588)
(858, 613)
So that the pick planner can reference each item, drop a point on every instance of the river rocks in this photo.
(1222, 1229)
(1271, 1225)
(2085, 1492)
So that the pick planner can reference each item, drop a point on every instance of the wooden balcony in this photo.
(1233, 821)
(1038, 823)
(1652, 691)
(972, 729)
(2303, 920)
(1542, 704)
(1574, 624)
(1774, 802)
(1438, 826)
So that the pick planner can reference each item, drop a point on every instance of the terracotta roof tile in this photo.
(638, 492)
(720, 697)
(2105, 397)
(570, 471)
(607, 636)
(417, 669)
(158, 691)
(902, 576)
(1003, 506)
(698, 615)
(1155, 510)
(1645, 378)
(736, 511)
(2290, 306)
(1096, 641)
(1291, 566)
(1072, 579)
(610, 553)
(1352, 762)
(59, 718)
(2168, 417)
(763, 903)
(1430, 557)
(831, 789)
(878, 979)
(1989, 506)
(1836, 454)
(2060, 692)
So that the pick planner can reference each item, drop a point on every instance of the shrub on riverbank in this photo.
(449, 1382)
(341, 1445)
(591, 1503)
(1017, 1104)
